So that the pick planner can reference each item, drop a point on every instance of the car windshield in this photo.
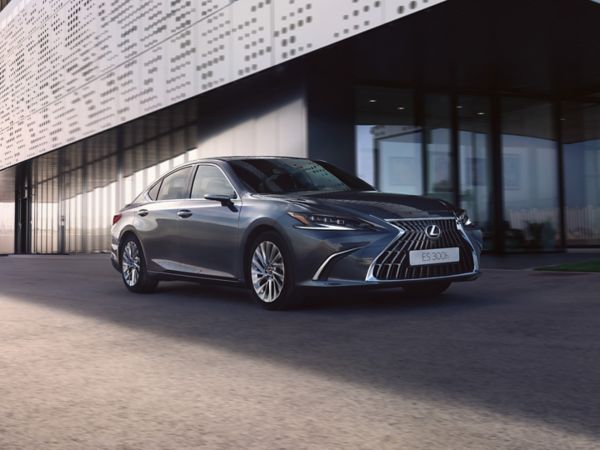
(287, 175)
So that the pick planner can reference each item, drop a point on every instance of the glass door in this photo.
(530, 172)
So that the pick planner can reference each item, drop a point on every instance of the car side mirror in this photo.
(224, 199)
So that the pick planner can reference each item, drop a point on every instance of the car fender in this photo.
(250, 232)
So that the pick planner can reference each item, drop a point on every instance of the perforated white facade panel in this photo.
(72, 68)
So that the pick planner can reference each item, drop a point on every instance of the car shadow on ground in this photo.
(312, 301)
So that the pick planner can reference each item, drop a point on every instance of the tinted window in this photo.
(285, 175)
(210, 180)
(153, 192)
(175, 186)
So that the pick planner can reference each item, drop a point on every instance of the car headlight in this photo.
(323, 222)
(463, 218)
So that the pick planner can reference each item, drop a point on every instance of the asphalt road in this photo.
(511, 361)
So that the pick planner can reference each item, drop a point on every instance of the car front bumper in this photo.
(388, 284)
(328, 260)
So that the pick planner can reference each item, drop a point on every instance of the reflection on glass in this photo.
(400, 165)
(76, 190)
(581, 149)
(475, 162)
(439, 154)
(388, 144)
(529, 157)
(45, 204)
(365, 154)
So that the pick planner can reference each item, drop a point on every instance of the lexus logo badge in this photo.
(433, 231)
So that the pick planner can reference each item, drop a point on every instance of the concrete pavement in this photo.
(509, 362)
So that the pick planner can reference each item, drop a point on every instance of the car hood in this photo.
(381, 205)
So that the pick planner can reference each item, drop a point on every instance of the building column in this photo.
(497, 175)
(330, 111)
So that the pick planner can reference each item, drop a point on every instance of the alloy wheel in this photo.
(131, 264)
(268, 271)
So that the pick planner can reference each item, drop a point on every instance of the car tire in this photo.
(133, 267)
(270, 274)
(432, 289)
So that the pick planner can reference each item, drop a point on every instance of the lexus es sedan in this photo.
(280, 226)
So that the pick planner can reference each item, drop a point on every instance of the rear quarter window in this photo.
(175, 185)
(153, 191)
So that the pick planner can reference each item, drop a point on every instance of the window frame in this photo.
(193, 179)
(173, 172)
(152, 186)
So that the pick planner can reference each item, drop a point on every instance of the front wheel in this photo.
(133, 267)
(432, 289)
(270, 274)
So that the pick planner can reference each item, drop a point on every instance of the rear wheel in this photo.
(270, 274)
(431, 289)
(133, 267)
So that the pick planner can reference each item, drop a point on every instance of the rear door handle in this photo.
(184, 213)
(142, 212)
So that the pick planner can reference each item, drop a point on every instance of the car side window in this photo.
(153, 191)
(175, 186)
(210, 180)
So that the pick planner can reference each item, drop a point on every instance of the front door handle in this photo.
(184, 213)
(142, 212)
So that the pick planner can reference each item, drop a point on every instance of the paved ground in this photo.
(510, 362)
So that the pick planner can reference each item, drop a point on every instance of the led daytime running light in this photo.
(318, 221)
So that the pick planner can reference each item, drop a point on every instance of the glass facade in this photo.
(400, 166)
(45, 202)
(65, 200)
(443, 146)
(76, 190)
(530, 168)
(7, 210)
(388, 142)
(475, 161)
(438, 135)
(526, 170)
(580, 123)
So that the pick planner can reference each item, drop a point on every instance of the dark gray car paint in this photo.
(211, 242)
(209, 238)
(156, 226)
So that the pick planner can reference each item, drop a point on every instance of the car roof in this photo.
(240, 158)
(222, 159)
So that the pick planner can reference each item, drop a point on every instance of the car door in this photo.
(157, 222)
(210, 232)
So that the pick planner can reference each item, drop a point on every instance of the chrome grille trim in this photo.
(322, 267)
(393, 265)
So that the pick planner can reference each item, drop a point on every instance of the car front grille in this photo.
(393, 263)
